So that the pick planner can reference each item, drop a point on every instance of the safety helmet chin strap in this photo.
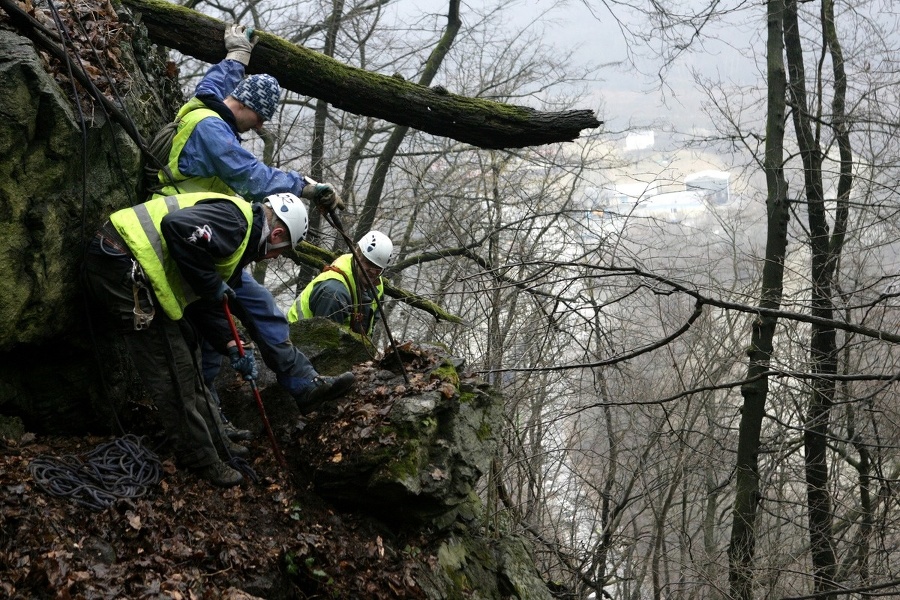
(276, 246)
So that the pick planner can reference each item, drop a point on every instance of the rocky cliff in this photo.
(65, 166)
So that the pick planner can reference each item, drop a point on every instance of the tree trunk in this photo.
(317, 151)
(824, 254)
(471, 120)
(747, 496)
(389, 151)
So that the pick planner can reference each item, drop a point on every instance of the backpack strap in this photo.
(158, 151)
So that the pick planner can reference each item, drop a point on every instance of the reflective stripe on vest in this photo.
(345, 264)
(188, 117)
(139, 226)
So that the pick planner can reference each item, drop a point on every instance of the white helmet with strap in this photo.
(290, 210)
(377, 247)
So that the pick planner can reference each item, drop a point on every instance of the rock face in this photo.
(413, 450)
(331, 349)
(472, 566)
(65, 167)
(411, 453)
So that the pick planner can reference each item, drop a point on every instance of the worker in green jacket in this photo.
(150, 263)
(341, 293)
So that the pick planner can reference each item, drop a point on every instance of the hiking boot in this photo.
(236, 435)
(324, 388)
(236, 450)
(220, 474)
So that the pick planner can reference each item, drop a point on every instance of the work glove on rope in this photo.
(239, 43)
(245, 365)
(322, 194)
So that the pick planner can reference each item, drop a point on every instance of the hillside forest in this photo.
(700, 402)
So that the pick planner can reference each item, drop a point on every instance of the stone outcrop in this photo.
(411, 452)
(65, 166)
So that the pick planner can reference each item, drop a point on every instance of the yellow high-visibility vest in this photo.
(139, 226)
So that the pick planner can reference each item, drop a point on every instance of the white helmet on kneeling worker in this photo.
(377, 247)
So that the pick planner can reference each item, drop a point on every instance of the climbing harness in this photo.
(120, 469)
(357, 325)
(142, 318)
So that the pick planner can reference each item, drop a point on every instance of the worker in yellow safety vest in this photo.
(206, 155)
(149, 264)
(340, 291)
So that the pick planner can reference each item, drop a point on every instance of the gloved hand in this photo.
(323, 195)
(245, 365)
(223, 291)
(239, 43)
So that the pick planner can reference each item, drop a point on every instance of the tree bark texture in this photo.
(823, 351)
(475, 121)
(747, 493)
(860, 554)
(317, 151)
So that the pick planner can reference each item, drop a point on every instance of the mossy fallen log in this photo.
(475, 121)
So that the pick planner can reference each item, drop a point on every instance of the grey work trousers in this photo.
(166, 356)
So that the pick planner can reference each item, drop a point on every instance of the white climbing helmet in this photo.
(290, 210)
(377, 247)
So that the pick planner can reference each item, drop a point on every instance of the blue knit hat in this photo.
(259, 92)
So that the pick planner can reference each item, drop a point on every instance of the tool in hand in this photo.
(259, 403)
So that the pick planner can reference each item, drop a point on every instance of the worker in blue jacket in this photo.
(207, 155)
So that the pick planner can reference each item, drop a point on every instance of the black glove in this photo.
(223, 291)
(245, 365)
(322, 194)
(239, 42)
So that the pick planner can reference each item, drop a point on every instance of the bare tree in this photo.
(701, 402)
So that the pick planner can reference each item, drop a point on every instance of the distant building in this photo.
(717, 183)
(701, 192)
(630, 193)
(639, 140)
(673, 207)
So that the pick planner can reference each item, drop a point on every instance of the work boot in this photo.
(220, 474)
(324, 388)
(236, 450)
(234, 434)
